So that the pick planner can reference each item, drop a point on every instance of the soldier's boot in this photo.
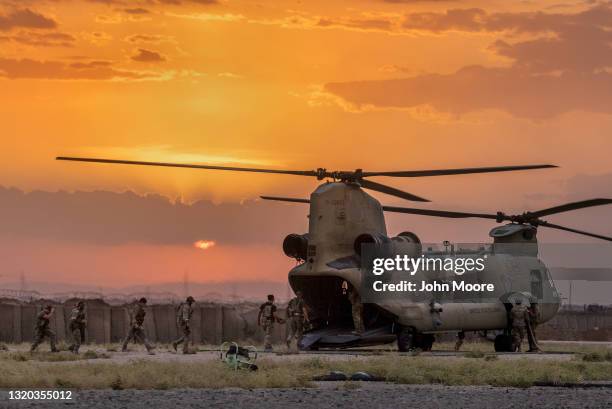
(175, 346)
(288, 344)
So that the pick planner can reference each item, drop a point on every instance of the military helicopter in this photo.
(343, 218)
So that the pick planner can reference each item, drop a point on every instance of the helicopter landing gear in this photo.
(405, 338)
(424, 341)
(503, 343)
(408, 339)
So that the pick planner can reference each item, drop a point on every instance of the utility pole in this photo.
(186, 283)
(22, 281)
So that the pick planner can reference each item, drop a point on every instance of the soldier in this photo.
(78, 322)
(297, 314)
(460, 339)
(356, 309)
(183, 317)
(519, 320)
(42, 329)
(266, 319)
(136, 331)
(532, 322)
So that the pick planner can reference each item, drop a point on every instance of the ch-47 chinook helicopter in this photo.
(343, 218)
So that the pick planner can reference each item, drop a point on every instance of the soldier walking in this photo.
(460, 340)
(78, 322)
(297, 315)
(42, 329)
(532, 322)
(519, 321)
(136, 331)
(356, 309)
(183, 318)
(266, 319)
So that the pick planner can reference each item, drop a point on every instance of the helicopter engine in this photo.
(404, 243)
(296, 246)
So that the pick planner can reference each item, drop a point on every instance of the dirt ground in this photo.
(336, 395)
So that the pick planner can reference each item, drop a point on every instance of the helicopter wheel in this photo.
(405, 339)
(425, 341)
(503, 343)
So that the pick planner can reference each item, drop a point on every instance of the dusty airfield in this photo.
(441, 379)
(337, 395)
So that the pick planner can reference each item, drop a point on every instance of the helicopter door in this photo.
(536, 284)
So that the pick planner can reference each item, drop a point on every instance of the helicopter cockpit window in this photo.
(536, 284)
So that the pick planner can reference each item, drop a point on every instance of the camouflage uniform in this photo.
(77, 328)
(295, 320)
(532, 315)
(460, 339)
(42, 330)
(183, 317)
(356, 310)
(136, 331)
(268, 311)
(519, 322)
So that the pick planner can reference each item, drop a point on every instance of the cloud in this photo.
(550, 74)
(136, 10)
(477, 20)
(25, 18)
(479, 88)
(379, 24)
(93, 70)
(109, 218)
(159, 2)
(53, 39)
(148, 56)
(148, 38)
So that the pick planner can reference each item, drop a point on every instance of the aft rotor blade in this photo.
(460, 171)
(585, 233)
(285, 199)
(192, 166)
(438, 213)
(571, 206)
(368, 184)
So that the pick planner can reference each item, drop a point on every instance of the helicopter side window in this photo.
(536, 284)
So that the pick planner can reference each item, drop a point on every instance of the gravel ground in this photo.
(336, 395)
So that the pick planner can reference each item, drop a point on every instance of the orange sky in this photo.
(372, 84)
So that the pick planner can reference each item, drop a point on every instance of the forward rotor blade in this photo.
(571, 206)
(368, 184)
(285, 199)
(185, 165)
(460, 171)
(438, 213)
(585, 233)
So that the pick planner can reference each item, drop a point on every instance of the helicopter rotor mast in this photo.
(532, 218)
(357, 177)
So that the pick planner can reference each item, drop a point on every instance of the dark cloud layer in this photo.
(477, 88)
(476, 19)
(35, 69)
(566, 66)
(144, 55)
(117, 218)
(25, 18)
(37, 39)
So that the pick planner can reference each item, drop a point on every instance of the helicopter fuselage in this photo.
(341, 213)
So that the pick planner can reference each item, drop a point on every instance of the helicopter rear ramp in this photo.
(339, 337)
